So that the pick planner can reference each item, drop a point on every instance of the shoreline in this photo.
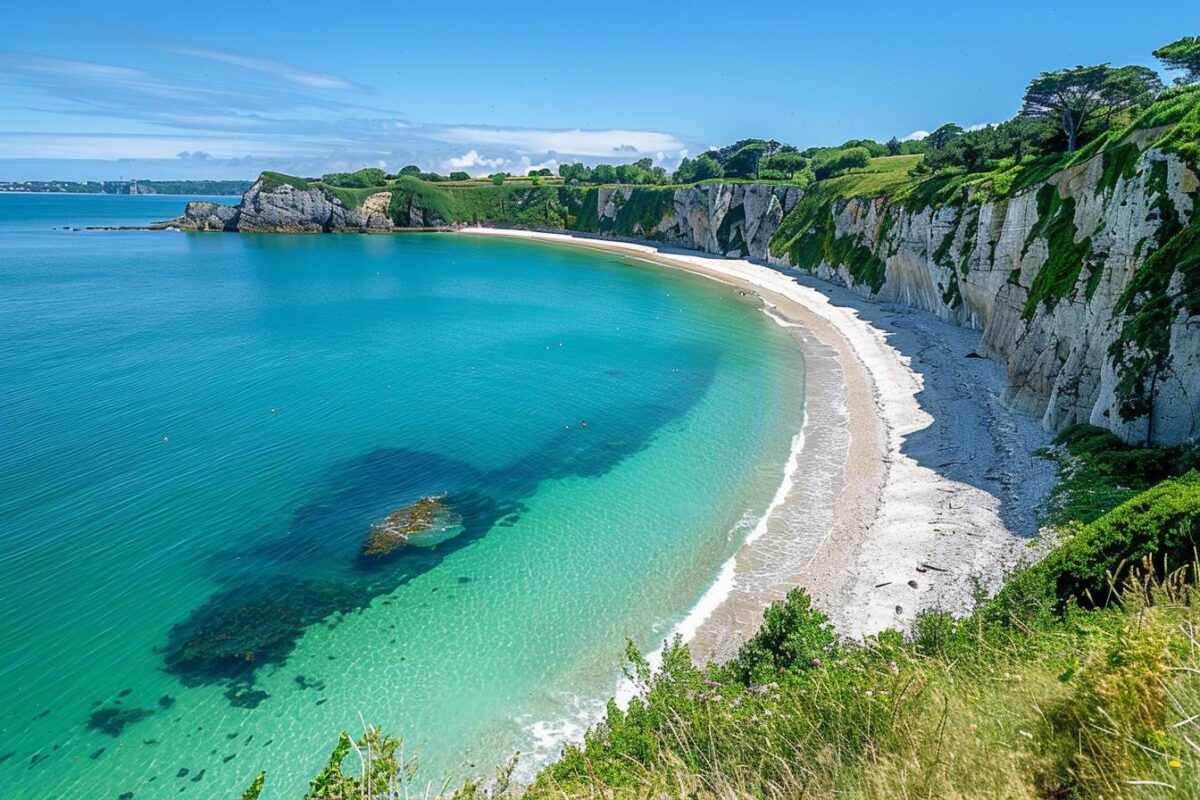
(901, 478)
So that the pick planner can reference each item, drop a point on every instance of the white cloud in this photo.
(570, 142)
(119, 146)
(471, 158)
(525, 166)
(915, 136)
(978, 127)
(276, 69)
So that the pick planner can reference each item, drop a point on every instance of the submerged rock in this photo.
(112, 721)
(394, 530)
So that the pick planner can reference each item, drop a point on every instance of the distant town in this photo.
(128, 187)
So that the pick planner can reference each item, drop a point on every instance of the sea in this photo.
(198, 432)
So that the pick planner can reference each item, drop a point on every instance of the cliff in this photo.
(1083, 276)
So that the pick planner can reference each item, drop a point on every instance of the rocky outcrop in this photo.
(206, 216)
(284, 208)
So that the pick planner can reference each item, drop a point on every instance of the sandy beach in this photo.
(911, 484)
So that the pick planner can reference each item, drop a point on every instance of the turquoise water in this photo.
(196, 432)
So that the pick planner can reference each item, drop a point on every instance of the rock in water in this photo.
(393, 531)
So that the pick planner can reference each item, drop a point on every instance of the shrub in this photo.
(831, 163)
(363, 179)
(793, 636)
(1158, 524)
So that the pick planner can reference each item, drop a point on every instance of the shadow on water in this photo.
(277, 588)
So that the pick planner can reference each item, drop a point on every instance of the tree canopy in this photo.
(942, 136)
(701, 168)
(1075, 96)
(1182, 55)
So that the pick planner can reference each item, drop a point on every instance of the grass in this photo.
(1064, 255)
(1097, 472)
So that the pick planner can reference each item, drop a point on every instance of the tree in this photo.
(459, 176)
(893, 146)
(831, 163)
(604, 173)
(499, 178)
(943, 136)
(411, 169)
(575, 172)
(787, 163)
(744, 162)
(1075, 96)
(1182, 55)
(703, 167)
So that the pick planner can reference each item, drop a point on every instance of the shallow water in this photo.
(196, 432)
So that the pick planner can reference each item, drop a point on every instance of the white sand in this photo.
(909, 468)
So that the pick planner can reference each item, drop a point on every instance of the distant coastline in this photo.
(210, 188)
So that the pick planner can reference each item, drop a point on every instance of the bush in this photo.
(363, 179)
(703, 167)
(785, 163)
(793, 636)
(1157, 525)
(831, 163)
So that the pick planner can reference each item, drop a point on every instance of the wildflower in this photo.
(1174, 763)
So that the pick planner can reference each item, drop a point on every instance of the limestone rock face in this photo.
(975, 264)
(728, 219)
(283, 208)
(207, 216)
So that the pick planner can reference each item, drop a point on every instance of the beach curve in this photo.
(896, 499)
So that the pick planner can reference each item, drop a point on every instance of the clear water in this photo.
(196, 432)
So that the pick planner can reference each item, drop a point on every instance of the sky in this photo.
(102, 91)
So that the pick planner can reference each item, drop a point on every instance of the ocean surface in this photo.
(197, 431)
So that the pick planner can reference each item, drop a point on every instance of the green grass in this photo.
(272, 180)
(1065, 256)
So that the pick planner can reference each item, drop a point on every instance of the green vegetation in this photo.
(1184, 55)
(1073, 96)
(839, 162)
(702, 168)
(363, 179)
(1097, 472)
(273, 180)
(1065, 256)
(639, 173)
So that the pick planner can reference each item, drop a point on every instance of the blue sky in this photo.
(132, 89)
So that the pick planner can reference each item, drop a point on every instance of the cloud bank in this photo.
(251, 113)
